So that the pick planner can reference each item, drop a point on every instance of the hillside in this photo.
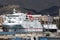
(53, 11)
(34, 4)
(8, 9)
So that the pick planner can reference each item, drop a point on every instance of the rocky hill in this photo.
(34, 4)
(53, 11)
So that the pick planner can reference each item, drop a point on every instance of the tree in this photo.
(58, 24)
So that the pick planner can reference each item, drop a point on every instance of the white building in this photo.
(50, 27)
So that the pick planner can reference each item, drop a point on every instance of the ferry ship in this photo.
(21, 22)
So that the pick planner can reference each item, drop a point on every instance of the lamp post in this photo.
(48, 21)
(48, 24)
(59, 18)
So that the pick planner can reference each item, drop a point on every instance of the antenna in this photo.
(14, 11)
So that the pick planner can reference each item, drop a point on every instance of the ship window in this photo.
(31, 27)
(13, 16)
(20, 18)
(9, 18)
(9, 21)
(13, 22)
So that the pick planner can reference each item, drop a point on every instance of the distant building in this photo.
(44, 18)
(1, 21)
(56, 18)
